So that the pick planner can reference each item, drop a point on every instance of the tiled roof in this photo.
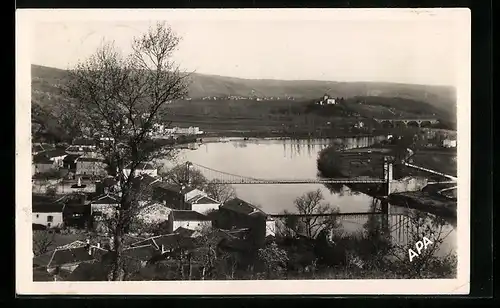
(54, 153)
(202, 200)
(60, 257)
(169, 241)
(88, 271)
(188, 216)
(140, 253)
(242, 207)
(47, 207)
(184, 232)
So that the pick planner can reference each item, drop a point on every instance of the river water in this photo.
(282, 159)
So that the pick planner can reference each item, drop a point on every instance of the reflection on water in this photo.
(281, 159)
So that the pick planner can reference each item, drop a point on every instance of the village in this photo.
(73, 194)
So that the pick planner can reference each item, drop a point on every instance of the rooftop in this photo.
(179, 215)
(202, 200)
(140, 253)
(42, 159)
(63, 256)
(143, 166)
(89, 159)
(106, 199)
(47, 207)
(241, 206)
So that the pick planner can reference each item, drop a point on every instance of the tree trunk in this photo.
(190, 268)
(118, 273)
(203, 273)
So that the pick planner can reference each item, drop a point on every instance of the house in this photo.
(69, 162)
(101, 208)
(77, 211)
(49, 214)
(175, 196)
(187, 219)
(68, 258)
(104, 204)
(142, 168)
(237, 213)
(90, 166)
(203, 204)
(56, 155)
(155, 213)
(43, 164)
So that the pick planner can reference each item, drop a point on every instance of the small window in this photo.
(50, 218)
(37, 215)
(48, 225)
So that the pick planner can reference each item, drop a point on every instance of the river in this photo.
(282, 159)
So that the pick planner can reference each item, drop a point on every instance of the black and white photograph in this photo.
(243, 151)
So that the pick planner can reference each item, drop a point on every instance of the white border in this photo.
(25, 19)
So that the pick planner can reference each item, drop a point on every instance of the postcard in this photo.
(249, 151)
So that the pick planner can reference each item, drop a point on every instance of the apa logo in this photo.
(419, 246)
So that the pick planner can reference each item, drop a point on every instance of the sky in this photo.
(406, 50)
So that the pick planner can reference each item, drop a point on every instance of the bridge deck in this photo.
(301, 181)
(326, 215)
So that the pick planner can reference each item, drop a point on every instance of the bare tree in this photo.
(220, 192)
(121, 98)
(180, 174)
(42, 240)
(317, 214)
(425, 261)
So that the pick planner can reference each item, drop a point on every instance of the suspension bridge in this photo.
(221, 177)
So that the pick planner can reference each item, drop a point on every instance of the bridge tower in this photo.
(388, 173)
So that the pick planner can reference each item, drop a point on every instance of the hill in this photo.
(45, 80)
(362, 99)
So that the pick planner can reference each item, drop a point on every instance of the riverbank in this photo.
(427, 202)
(335, 162)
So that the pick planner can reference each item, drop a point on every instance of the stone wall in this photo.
(410, 183)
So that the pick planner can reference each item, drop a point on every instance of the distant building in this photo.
(327, 100)
(449, 143)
